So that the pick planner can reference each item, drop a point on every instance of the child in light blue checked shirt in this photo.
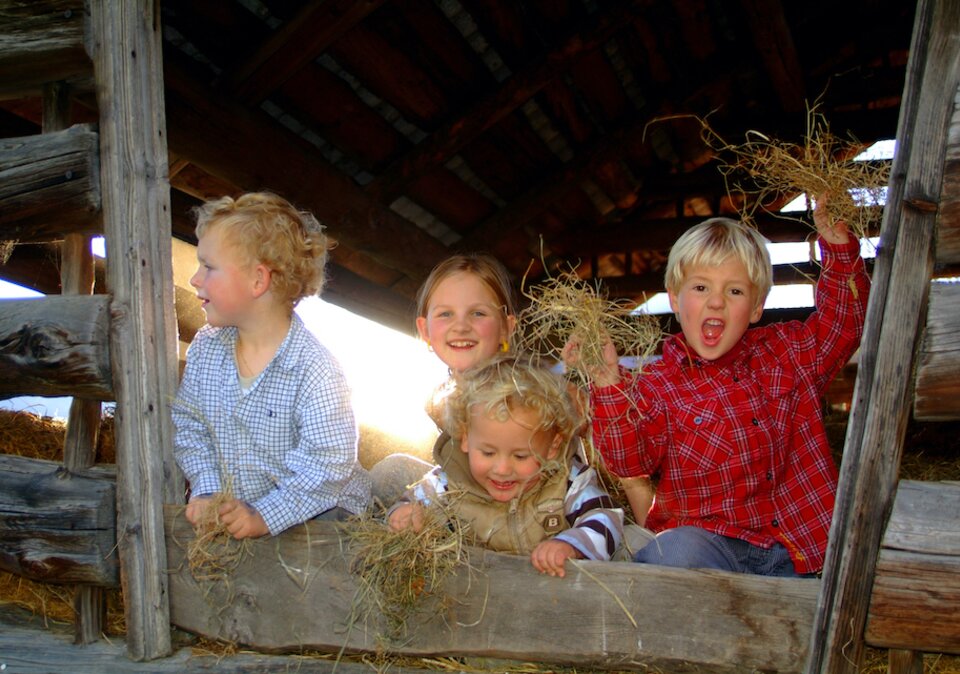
(265, 429)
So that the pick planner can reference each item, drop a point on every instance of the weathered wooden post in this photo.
(125, 40)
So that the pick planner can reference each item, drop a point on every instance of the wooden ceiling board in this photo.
(418, 128)
(341, 117)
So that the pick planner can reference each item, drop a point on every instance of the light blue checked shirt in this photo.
(288, 446)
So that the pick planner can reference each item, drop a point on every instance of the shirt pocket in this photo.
(702, 437)
(270, 429)
(777, 380)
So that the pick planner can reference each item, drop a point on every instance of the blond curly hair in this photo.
(506, 384)
(267, 229)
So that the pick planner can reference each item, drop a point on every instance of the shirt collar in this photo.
(285, 357)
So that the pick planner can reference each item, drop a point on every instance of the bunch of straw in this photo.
(769, 171)
(398, 570)
(213, 554)
(6, 250)
(566, 308)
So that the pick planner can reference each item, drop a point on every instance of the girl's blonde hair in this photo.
(508, 383)
(267, 229)
(713, 242)
(487, 268)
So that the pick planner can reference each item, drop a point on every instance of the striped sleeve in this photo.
(596, 525)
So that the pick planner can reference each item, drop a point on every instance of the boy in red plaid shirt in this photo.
(730, 419)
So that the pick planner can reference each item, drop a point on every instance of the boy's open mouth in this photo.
(712, 330)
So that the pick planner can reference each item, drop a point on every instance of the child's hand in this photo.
(406, 516)
(830, 231)
(242, 520)
(606, 375)
(196, 508)
(550, 555)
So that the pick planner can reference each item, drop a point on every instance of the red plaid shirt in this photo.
(738, 442)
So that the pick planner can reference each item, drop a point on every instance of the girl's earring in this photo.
(429, 346)
(504, 346)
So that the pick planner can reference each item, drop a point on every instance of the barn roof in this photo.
(552, 133)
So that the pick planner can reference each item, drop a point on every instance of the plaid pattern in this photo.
(739, 443)
(288, 447)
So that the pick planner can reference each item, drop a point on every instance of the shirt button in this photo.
(698, 420)
(775, 523)
(769, 475)
(755, 421)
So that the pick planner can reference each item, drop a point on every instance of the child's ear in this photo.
(261, 279)
(674, 307)
(554, 449)
(757, 312)
(510, 327)
(463, 444)
(422, 329)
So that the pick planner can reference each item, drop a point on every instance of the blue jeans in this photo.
(695, 548)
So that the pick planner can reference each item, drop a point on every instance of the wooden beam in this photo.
(83, 421)
(296, 43)
(901, 281)
(136, 212)
(296, 591)
(948, 226)
(637, 284)
(33, 645)
(661, 234)
(56, 346)
(914, 599)
(204, 127)
(57, 526)
(41, 43)
(50, 185)
(774, 42)
(520, 88)
(937, 392)
(37, 267)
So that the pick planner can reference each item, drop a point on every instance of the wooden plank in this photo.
(937, 394)
(203, 129)
(83, 422)
(41, 41)
(483, 115)
(55, 526)
(295, 591)
(905, 662)
(29, 646)
(56, 346)
(297, 43)
(901, 281)
(914, 601)
(924, 518)
(917, 587)
(136, 212)
(948, 230)
(50, 185)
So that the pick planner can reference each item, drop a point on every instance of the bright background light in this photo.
(391, 374)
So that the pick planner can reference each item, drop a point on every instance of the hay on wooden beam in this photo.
(214, 554)
(398, 571)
